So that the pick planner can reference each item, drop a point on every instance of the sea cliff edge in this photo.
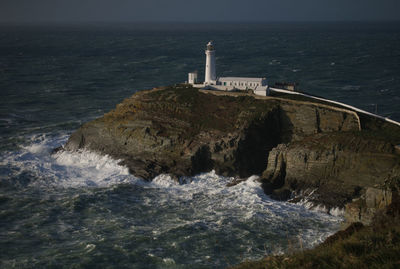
(302, 149)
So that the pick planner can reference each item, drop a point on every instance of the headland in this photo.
(301, 149)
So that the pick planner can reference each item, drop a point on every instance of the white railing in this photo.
(336, 103)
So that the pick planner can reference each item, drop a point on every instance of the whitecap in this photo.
(86, 168)
(64, 169)
(38, 144)
(169, 261)
(337, 212)
(215, 207)
(90, 247)
(164, 181)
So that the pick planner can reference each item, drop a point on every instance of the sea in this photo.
(83, 210)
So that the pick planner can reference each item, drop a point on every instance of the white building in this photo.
(258, 85)
(192, 77)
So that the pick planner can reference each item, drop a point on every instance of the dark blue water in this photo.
(86, 210)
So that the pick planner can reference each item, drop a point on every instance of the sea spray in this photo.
(87, 204)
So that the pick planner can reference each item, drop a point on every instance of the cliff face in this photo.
(183, 131)
(331, 169)
(294, 145)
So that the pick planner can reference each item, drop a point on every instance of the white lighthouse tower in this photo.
(210, 76)
(258, 86)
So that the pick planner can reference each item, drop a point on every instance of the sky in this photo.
(22, 11)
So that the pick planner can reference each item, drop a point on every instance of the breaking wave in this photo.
(64, 169)
(199, 213)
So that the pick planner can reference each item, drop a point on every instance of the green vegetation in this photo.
(379, 129)
(203, 112)
(373, 246)
(302, 98)
(367, 141)
(224, 113)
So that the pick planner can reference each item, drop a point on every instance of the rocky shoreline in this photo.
(301, 149)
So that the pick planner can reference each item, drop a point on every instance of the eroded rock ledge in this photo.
(296, 146)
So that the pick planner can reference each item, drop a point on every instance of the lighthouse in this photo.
(258, 86)
(210, 75)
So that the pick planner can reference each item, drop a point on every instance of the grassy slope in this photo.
(374, 246)
(202, 112)
(372, 127)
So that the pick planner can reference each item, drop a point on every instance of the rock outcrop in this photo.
(365, 208)
(184, 131)
(297, 146)
(330, 169)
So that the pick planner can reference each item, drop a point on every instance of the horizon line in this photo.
(84, 22)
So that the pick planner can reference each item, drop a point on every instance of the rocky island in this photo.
(301, 148)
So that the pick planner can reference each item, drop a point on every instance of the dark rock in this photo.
(341, 235)
(338, 167)
(302, 147)
(57, 149)
(201, 160)
(236, 181)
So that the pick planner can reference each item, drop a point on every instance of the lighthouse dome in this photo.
(210, 45)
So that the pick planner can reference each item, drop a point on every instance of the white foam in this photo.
(36, 148)
(307, 194)
(165, 181)
(65, 169)
(169, 261)
(337, 212)
(38, 144)
(85, 168)
(245, 201)
(214, 205)
(90, 247)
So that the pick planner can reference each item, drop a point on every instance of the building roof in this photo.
(242, 79)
